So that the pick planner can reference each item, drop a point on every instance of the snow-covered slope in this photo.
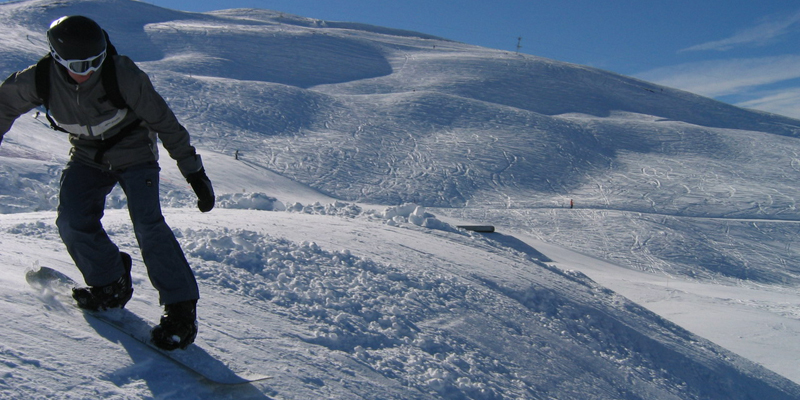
(685, 212)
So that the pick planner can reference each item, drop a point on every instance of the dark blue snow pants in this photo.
(81, 203)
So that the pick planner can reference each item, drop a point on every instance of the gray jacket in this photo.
(85, 112)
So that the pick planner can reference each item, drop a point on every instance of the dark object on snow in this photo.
(478, 228)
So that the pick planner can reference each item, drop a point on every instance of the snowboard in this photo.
(56, 285)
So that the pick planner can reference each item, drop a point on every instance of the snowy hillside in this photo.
(673, 277)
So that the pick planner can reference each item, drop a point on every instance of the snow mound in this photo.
(358, 306)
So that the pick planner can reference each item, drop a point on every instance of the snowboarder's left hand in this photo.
(202, 188)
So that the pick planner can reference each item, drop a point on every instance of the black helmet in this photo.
(77, 43)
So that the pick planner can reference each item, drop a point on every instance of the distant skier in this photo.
(112, 144)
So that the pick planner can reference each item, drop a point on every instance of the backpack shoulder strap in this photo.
(43, 80)
(108, 75)
(110, 49)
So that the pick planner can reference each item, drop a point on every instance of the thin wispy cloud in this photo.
(784, 102)
(746, 79)
(725, 77)
(763, 33)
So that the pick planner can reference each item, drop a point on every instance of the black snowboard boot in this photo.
(113, 295)
(178, 326)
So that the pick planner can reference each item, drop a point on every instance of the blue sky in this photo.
(744, 52)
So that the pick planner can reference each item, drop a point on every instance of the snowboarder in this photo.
(112, 144)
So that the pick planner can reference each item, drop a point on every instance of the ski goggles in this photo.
(81, 67)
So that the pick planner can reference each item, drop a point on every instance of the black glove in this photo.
(202, 188)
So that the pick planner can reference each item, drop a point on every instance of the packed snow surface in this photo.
(646, 239)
